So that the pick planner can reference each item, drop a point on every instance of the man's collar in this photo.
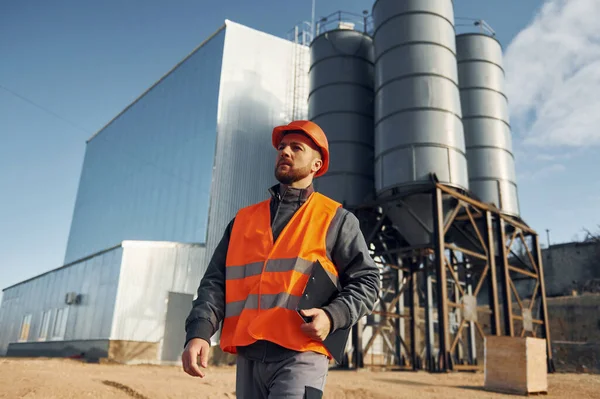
(279, 191)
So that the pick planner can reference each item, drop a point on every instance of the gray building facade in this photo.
(168, 165)
(569, 267)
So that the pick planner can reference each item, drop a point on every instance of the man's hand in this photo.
(195, 348)
(320, 325)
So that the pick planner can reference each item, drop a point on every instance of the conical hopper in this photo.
(413, 216)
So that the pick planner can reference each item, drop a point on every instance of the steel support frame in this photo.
(438, 262)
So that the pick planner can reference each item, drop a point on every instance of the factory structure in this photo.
(421, 152)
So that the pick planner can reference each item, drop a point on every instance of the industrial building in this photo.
(421, 150)
(158, 186)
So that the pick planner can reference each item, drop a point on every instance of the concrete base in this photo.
(132, 351)
(90, 350)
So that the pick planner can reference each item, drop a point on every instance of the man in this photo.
(259, 271)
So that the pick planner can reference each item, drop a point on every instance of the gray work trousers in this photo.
(301, 376)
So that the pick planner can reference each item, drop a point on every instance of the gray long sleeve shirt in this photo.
(346, 247)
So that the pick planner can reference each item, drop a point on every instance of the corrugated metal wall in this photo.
(147, 175)
(255, 87)
(149, 271)
(94, 278)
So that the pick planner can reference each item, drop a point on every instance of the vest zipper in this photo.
(280, 198)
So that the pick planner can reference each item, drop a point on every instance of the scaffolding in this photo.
(440, 300)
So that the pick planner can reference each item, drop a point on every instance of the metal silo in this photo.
(418, 127)
(486, 121)
(341, 102)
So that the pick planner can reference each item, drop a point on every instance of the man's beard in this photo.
(291, 175)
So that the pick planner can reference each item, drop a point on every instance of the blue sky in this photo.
(85, 61)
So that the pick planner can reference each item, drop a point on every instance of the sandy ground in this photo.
(59, 378)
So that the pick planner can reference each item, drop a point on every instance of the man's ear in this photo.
(317, 165)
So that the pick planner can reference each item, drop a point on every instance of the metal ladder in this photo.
(298, 87)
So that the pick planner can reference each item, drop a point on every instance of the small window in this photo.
(60, 324)
(25, 326)
(44, 326)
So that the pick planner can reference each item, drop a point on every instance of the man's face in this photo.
(297, 158)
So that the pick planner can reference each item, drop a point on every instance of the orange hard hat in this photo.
(313, 131)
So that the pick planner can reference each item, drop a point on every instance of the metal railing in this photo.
(470, 25)
(303, 32)
(345, 20)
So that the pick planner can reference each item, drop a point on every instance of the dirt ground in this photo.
(60, 378)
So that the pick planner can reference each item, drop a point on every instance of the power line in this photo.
(44, 109)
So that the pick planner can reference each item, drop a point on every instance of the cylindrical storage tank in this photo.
(486, 121)
(418, 127)
(340, 101)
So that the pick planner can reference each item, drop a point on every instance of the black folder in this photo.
(320, 291)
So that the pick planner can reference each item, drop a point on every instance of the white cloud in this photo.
(542, 172)
(553, 75)
(559, 154)
(545, 157)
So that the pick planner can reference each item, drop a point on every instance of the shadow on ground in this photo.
(425, 384)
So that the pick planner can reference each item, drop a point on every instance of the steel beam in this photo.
(429, 331)
(505, 280)
(413, 303)
(492, 279)
(543, 304)
(442, 288)
(490, 236)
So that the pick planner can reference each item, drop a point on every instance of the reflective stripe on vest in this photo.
(265, 280)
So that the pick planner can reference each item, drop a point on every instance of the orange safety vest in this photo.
(265, 280)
